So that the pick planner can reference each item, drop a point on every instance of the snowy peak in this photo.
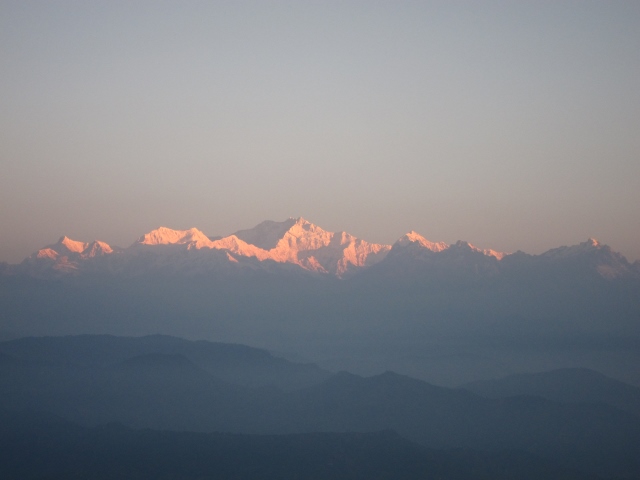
(45, 253)
(96, 249)
(414, 238)
(73, 249)
(237, 246)
(608, 264)
(268, 234)
(168, 236)
(590, 246)
(492, 253)
(64, 257)
(303, 235)
(65, 243)
(302, 243)
(412, 249)
(487, 252)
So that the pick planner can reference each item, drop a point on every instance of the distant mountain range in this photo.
(449, 314)
(292, 243)
(172, 384)
(569, 385)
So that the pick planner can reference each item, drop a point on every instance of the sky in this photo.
(511, 125)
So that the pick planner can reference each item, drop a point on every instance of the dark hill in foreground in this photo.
(47, 447)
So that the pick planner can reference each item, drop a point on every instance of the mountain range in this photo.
(167, 383)
(449, 314)
(546, 348)
(293, 242)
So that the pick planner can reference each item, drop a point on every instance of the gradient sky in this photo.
(512, 125)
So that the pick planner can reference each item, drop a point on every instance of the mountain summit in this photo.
(417, 240)
(300, 242)
(167, 236)
(267, 234)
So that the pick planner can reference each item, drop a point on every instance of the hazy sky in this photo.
(512, 125)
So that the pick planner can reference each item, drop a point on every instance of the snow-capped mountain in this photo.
(607, 263)
(295, 244)
(418, 241)
(302, 243)
(166, 236)
(294, 241)
(65, 256)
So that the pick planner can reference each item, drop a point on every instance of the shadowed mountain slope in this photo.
(230, 362)
(169, 391)
(569, 385)
(46, 447)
